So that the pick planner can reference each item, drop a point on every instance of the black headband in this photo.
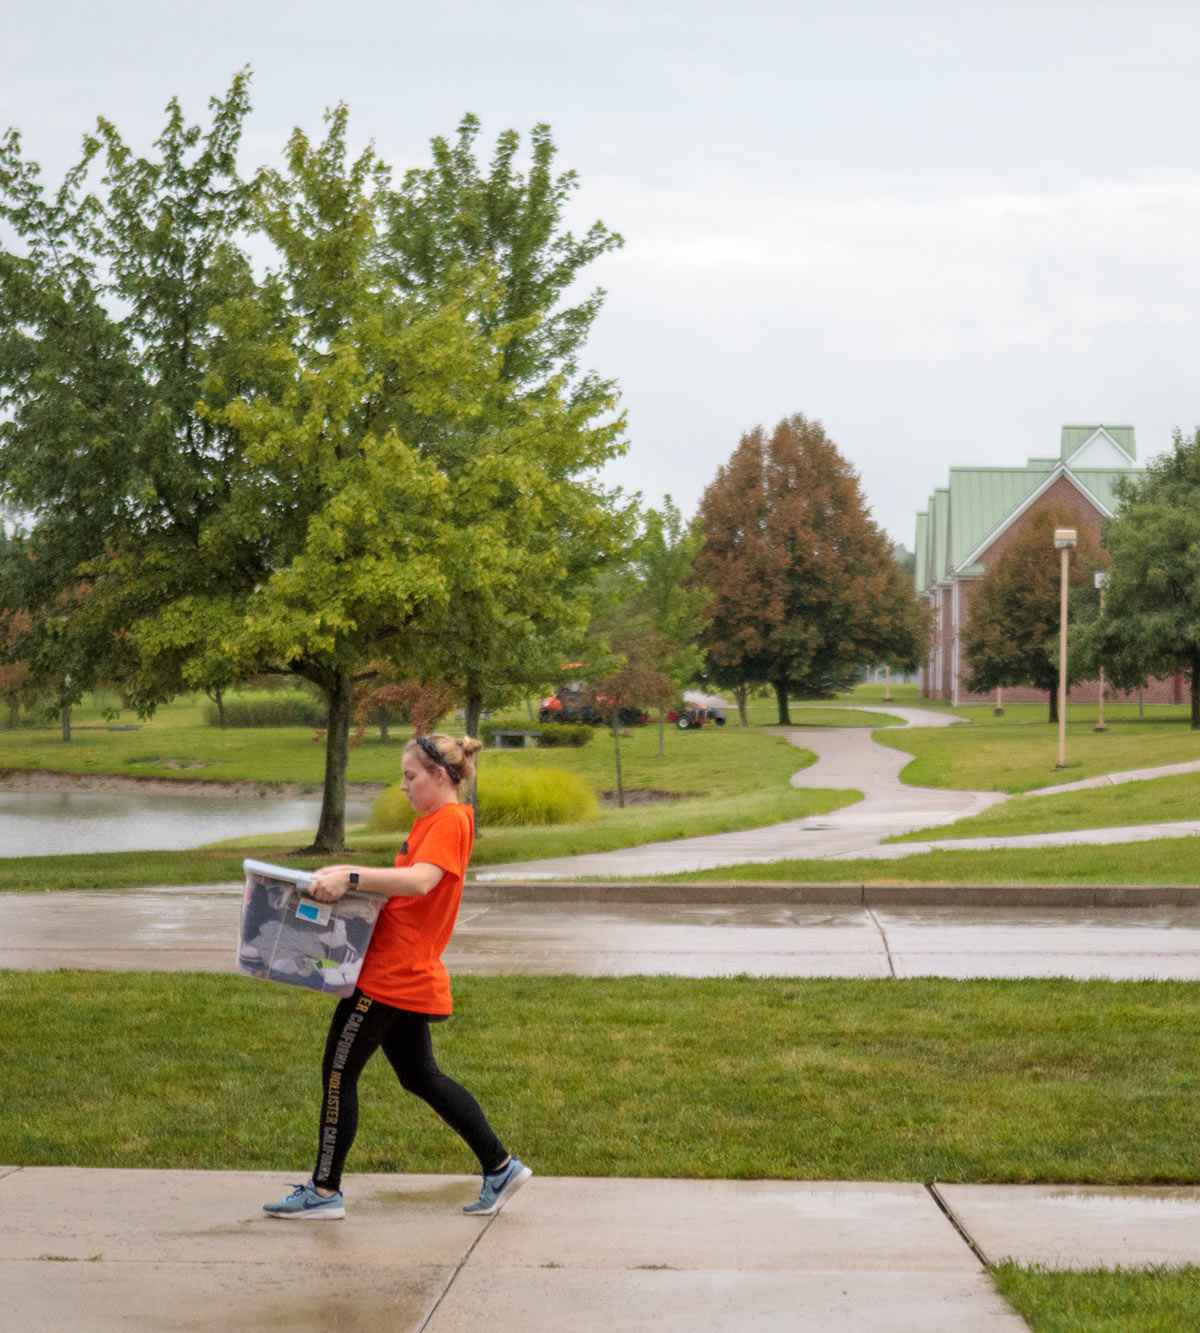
(427, 747)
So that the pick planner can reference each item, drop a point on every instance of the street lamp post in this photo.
(1064, 539)
(1101, 579)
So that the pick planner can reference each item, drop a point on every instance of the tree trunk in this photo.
(331, 830)
(383, 726)
(219, 700)
(473, 710)
(616, 731)
(66, 723)
(741, 693)
(14, 716)
(1196, 691)
(662, 734)
(781, 695)
(1054, 705)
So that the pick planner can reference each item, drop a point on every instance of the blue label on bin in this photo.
(315, 912)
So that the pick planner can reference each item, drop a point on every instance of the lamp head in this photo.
(1064, 537)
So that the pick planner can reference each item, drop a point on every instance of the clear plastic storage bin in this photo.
(288, 936)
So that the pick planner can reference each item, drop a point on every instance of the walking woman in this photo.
(403, 986)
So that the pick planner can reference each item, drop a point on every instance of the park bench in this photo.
(516, 739)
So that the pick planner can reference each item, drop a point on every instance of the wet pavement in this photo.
(501, 933)
(191, 1250)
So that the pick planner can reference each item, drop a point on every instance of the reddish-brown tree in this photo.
(1012, 635)
(803, 581)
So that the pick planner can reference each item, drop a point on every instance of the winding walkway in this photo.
(850, 758)
(847, 759)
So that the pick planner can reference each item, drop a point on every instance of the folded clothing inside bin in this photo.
(289, 937)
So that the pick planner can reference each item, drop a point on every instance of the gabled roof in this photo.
(1086, 439)
(964, 518)
(982, 498)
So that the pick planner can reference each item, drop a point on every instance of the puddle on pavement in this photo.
(440, 1196)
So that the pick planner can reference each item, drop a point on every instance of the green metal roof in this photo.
(1075, 437)
(939, 514)
(1101, 483)
(981, 498)
(921, 553)
(980, 501)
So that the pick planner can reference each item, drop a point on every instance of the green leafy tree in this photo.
(294, 472)
(105, 319)
(804, 588)
(339, 528)
(535, 523)
(1151, 621)
(1012, 635)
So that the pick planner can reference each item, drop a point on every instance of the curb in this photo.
(734, 892)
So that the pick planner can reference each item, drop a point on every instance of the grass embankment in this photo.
(859, 1080)
(1097, 1300)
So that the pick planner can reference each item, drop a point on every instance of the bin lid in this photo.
(300, 878)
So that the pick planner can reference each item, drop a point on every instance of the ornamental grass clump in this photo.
(534, 796)
(391, 812)
(510, 796)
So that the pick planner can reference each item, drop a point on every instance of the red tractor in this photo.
(575, 701)
(689, 715)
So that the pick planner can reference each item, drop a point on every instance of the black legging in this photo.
(360, 1027)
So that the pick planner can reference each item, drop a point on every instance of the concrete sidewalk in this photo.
(191, 1250)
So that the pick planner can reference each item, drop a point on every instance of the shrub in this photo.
(268, 710)
(564, 734)
(512, 795)
(391, 812)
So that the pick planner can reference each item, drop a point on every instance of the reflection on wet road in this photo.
(196, 929)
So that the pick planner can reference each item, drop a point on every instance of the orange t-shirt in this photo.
(403, 966)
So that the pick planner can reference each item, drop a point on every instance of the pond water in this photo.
(48, 823)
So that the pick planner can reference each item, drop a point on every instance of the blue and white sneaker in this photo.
(304, 1201)
(499, 1188)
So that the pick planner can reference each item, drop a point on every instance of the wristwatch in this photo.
(354, 879)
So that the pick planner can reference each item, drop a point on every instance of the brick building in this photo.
(970, 522)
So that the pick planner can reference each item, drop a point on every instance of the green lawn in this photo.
(924, 1080)
(1123, 1300)
(1013, 755)
(1156, 800)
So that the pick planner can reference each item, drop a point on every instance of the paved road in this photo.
(196, 929)
(107, 1250)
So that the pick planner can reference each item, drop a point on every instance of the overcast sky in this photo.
(942, 229)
